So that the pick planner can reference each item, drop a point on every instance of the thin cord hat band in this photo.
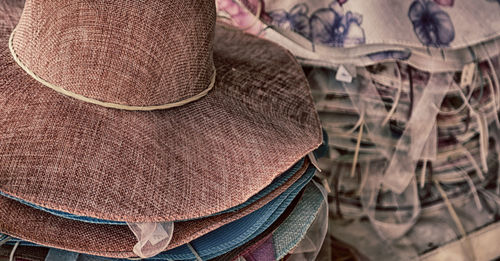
(103, 103)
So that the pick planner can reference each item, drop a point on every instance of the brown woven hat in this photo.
(37, 226)
(144, 111)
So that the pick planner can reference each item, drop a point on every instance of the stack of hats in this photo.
(144, 129)
(409, 94)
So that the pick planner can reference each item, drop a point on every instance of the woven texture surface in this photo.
(181, 163)
(294, 228)
(257, 240)
(154, 53)
(45, 229)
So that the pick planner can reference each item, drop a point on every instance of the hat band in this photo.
(102, 103)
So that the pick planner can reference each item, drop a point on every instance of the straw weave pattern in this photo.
(43, 228)
(124, 52)
(183, 163)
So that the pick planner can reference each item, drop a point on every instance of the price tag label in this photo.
(467, 75)
(343, 75)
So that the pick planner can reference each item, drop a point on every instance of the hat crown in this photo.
(131, 52)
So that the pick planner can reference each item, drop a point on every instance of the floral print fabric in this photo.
(351, 23)
(431, 24)
(334, 27)
(296, 20)
(331, 26)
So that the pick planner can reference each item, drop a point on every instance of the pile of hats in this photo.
(146, 129)
(409, 94)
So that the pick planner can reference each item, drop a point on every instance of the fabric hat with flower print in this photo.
(333, 32)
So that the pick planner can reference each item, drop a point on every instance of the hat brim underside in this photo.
(175, 164)
(40, 227)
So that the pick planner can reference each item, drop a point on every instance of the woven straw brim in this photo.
(277, 182)
(238, 232)
(307, 201)
(233, 254)
(289, 230)
(40, 227)
(175, 164)
(295, 227)
(30, 252)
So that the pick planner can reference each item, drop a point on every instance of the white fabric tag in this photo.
(467, 75)
(343, 75)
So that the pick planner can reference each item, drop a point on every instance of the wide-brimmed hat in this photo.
(37, 226)
(289, 225)
(144, 111)
(280, 183)
(40, 227)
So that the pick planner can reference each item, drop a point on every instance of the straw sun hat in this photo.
(144, 111)
(40, 227)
